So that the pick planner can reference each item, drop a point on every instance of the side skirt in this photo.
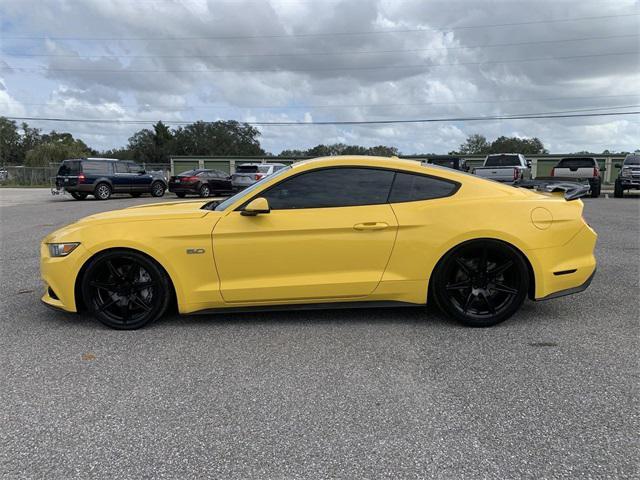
(307, 306)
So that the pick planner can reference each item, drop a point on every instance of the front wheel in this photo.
(125, 290)
(79, 195)
(618, 191)
(157, 189)
(205, 191)
(481, 283)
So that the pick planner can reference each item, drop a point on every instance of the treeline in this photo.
(25, 145)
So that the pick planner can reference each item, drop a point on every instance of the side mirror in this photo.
(618, 165)
(256, 206)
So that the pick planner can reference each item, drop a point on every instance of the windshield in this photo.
(247, 191)
(502, 161)
(576, 163)
(632, 160)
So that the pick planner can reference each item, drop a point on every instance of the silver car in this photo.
(249, 173)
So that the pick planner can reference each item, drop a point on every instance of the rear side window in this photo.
(408, 187)
(121, 167)
(577, 163)
(69, 167)
(96, 167)
(332, 187)
(264, 168)
(502, 161)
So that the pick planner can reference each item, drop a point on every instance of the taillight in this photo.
(191, 179)
(258, 176)
(596, 172)
(81, 178)
(553, 172)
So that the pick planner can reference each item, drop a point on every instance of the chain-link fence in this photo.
(27, 176)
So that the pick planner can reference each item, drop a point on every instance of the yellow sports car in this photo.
(329, 232)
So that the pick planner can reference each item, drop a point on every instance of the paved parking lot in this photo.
(391, 393)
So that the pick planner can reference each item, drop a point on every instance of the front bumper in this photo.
(59, 276)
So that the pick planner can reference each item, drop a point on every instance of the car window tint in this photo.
(408, 187)
(121, 167)
(334, 187)
(69, 167)
(502, 161)
(632, 160)
(577, 163)
(264, 168)
(96, 167)
(247, 169)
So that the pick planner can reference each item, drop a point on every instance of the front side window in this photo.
(409, 187)
(331, 187)
(121, 167)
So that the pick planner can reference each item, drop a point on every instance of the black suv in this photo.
(101, 177)
(629, 176)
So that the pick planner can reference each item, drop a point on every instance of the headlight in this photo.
(61, 249)
(626, 172)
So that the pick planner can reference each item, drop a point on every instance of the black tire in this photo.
(618, 191)
(102, 191)
(79, 195)
(595, 191)
(481, 283)
(157, 189)
(135, 195)
(180, 194)
(125, 290)
(205, 191)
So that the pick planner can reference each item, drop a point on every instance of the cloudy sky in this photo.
(328, 60)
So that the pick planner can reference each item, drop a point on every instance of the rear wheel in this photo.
(204, 190)
(79, 195)
(102, 191)
(157, 189)
(595, 190)
(125, 290)
(481, 283)
(618, 191)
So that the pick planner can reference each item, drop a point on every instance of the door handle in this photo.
(371, 226)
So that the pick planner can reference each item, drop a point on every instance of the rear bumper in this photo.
(570, 291)
(565, 269)
(177, 188)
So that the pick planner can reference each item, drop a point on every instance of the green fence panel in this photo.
(180, 166)
(223, 165)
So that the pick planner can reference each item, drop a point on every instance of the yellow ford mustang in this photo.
(328, 232)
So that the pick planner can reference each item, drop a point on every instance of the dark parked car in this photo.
(456, 163)
(201, 182)
(101, 177)
(629, 176)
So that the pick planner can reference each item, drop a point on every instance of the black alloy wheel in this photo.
(79, 195)
(102, 191)
(204, 190)
(481, 283)
(125, 290)
(157, 189)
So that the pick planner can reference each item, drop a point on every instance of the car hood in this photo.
(154, 211)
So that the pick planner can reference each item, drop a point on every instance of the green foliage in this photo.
(10, 142)
(477, 144)
(342, 149)
(54, 152)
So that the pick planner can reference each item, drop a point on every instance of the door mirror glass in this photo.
(256, 206)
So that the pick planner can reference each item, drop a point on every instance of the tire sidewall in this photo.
(102, 186)
(155, 271)
(157, 189)
(205, 191)
(444, 303)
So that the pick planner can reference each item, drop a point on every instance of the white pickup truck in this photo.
(579, 169)
(505, 167)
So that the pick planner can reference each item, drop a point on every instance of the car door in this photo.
(329, 235)
(218, 181)
(140, 180)
(123, 177)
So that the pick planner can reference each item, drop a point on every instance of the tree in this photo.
(54, 152)
(10, 147)
(526, 146)
(342, 149)
(217, 138)
(475, 144)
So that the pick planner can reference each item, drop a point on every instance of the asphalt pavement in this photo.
(388, 393)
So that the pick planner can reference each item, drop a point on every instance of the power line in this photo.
(324, 34)
(378, 67)
(314, 54)
(372, 105)
(349, 122)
